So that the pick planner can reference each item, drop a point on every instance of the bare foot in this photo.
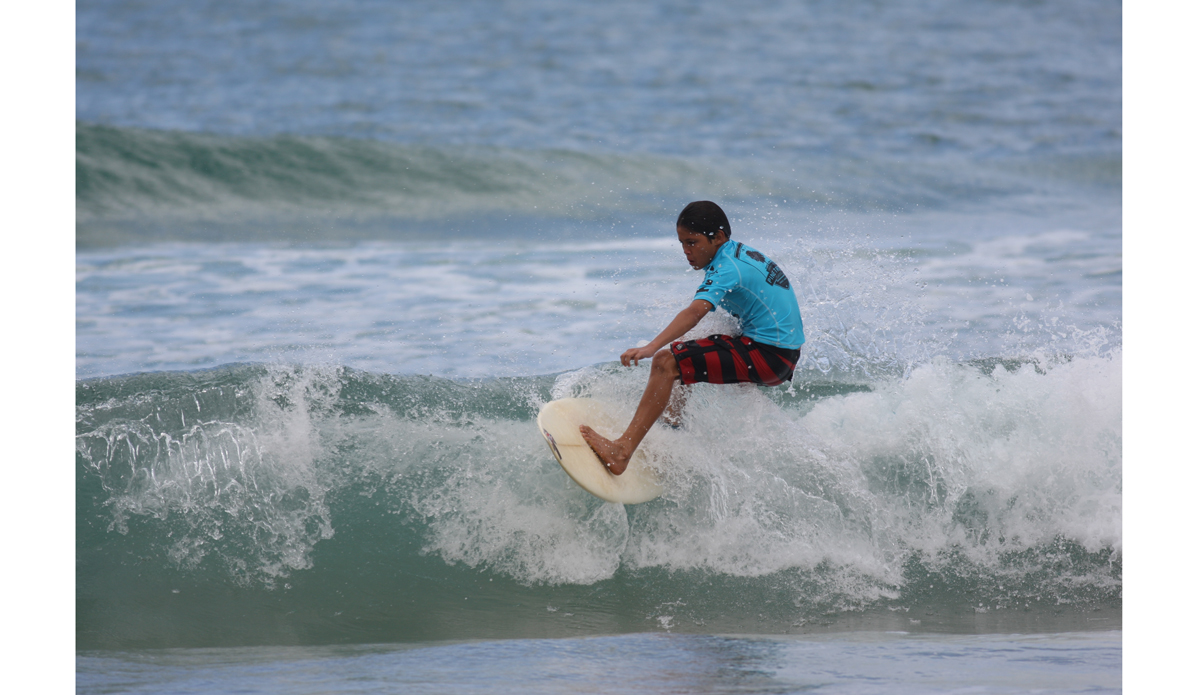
(612, 454)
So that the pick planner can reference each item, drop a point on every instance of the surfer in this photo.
(745, 283)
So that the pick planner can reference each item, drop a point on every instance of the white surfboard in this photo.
(559, 423)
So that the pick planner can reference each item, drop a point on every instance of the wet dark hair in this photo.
(704, 217)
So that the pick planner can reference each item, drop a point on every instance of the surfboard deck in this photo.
(559, 423)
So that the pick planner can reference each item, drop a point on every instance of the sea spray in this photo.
(243, 496)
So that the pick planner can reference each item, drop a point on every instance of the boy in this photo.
(748, 285)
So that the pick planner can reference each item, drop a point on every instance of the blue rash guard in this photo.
(750, 286)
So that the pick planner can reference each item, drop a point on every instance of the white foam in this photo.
(946, 458)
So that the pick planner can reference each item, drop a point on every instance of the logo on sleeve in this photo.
(775, 276)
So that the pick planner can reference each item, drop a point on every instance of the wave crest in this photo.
(992, 485)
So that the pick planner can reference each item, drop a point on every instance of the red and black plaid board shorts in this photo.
(723, 359)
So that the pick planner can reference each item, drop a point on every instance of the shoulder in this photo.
(747, 253)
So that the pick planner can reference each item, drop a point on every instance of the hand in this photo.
(632, 355)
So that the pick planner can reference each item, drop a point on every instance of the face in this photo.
(697, 247)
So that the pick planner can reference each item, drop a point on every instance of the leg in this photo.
(674, 414)
(615, 454)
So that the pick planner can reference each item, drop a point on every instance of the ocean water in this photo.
(647, 663)
(331, 258)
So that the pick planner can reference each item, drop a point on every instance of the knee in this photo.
(665, 363)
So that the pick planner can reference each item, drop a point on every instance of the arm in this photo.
(685, 321)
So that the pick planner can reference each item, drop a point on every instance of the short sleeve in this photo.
(718, 281)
